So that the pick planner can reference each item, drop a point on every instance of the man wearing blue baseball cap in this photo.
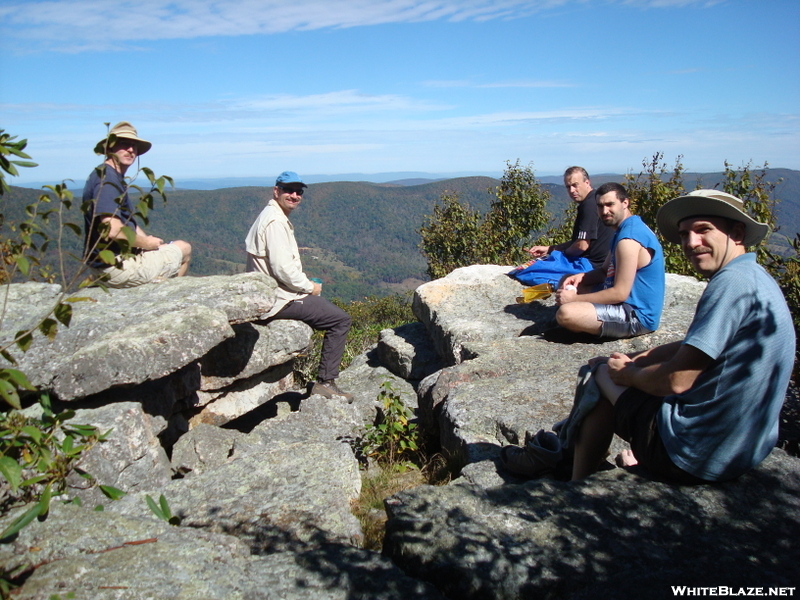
(272, 249)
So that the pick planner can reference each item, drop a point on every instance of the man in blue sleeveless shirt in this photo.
(632, 277)
(705, 408)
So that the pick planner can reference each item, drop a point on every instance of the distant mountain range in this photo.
(359, 237)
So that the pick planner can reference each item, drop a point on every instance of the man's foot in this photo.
(329, 389)
(626, 459)
(538, 456)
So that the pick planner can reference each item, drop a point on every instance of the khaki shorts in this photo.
(147, 267)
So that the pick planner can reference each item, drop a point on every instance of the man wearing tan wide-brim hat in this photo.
(110, 211)
(705, 408)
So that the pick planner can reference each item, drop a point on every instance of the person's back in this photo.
(743, 322)
(598, 234)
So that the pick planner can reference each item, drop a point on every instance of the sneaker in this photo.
(539, 456)
(329, 389)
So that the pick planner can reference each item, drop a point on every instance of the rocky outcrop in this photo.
(101, 555)
(190, 350)
(263, 480)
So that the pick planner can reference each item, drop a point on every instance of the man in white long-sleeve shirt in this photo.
(272, 249)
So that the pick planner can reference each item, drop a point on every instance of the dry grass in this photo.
(381, 481)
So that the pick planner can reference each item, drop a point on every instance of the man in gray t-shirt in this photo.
(705, 408)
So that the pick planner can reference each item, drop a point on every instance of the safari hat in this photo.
(125, 130)
(708, 203)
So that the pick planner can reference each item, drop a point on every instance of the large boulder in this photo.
(142, 333)
(479, 304)
(613, 535)
(290, 479)
(130, 459)
(105, 556)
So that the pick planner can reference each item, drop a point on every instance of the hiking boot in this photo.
(329, 389)
(539, 456)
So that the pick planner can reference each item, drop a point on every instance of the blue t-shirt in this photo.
(108, 193)
(728, 421)
(647, 292)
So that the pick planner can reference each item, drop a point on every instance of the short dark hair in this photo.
(573, 170)
(612, 186)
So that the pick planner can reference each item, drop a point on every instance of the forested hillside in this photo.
(360, 238)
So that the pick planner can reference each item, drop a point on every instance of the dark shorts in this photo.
(635, 422)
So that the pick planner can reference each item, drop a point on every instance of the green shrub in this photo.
(458, 236)
(36, 455)
(393, 439)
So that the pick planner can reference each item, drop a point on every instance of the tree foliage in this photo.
(37, 453)
(457, 235)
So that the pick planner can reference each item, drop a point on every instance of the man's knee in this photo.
(571, 315)
(579, 317)
(186, 250)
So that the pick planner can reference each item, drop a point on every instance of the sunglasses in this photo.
(293, 190)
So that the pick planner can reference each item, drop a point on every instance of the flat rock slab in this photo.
(613, 535)
(142, 333)
(105, 556)
(478, 304)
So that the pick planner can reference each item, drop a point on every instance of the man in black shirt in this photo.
(591, 239)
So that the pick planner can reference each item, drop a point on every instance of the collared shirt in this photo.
(272, 249)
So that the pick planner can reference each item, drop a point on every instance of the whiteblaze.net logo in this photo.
(722, 590)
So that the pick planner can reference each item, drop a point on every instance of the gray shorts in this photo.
(619, 321)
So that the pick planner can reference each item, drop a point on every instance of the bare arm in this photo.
(572, 249)
(627, 262)
(576, 248)
(142, 240)
(675, 375)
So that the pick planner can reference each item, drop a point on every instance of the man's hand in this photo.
(566, 295)
(573, 280)
(538, 251)
(568, 289)
(317, 289)
(618, 368)
(150, 242)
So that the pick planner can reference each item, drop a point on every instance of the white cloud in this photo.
(78, 25)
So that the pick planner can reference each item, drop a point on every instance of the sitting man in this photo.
(272, 249)
(705, 408)
(109, 209)
(632, 277)
(590, 236)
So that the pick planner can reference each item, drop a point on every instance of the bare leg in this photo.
(186, 251)
(579, 317)
(594, 438)
(597, 429)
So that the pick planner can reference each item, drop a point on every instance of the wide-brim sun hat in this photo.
(125, 130)
(708, 203)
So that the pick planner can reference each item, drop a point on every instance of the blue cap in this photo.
(289, 177)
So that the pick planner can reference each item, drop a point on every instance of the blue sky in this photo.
(248, 88)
